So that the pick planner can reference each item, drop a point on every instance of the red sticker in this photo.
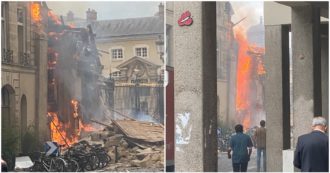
(185, 19)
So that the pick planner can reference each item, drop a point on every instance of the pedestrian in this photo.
(4, 166)
(311, 154)
(259, 138)
(241, 145)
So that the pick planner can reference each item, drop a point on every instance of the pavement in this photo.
(225, 165)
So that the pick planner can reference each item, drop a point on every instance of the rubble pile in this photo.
(132, 145)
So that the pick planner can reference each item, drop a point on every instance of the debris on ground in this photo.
(132, 145)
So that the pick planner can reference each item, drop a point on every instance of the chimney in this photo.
(70, 16)
(91, 15)
(161, 9)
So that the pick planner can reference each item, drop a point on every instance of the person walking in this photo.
(311, 153)
(259, 138)
(241, 145)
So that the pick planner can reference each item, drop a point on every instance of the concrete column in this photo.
(325, 77)
(274, 95)
(304, 48)
(195, 88)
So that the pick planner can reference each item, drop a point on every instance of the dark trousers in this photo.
(240, 167)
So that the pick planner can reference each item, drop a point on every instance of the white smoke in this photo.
(251, 10)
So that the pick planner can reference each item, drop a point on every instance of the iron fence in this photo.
(7, 56)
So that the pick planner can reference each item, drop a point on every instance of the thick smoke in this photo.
(251, 10)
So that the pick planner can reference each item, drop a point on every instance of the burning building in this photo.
(250, 74)
(239, 68)
(77, 92)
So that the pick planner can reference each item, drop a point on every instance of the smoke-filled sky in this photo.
(251, 10)
(106, 10)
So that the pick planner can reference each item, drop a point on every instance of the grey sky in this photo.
(106, 10)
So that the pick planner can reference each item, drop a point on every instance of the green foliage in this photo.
(30, 141)
(9, 141)
(9, 145)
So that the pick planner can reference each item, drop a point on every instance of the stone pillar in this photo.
(325, 77)
(41, 88)
(274, 95)
(195, 88)
(304, 48)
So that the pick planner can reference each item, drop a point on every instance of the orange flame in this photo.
(59, 129)
(54, 18)
(86, 127)
(244, 70)
(35, 12)
(71, 25)
(245, 74)
(74, 104)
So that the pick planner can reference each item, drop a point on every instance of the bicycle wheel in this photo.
(102, 160)
(93, 163)
(58, 165)
(73, 165)
(105, 159)
(38, 167)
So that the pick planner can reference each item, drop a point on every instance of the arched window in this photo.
(5, 107)
(23, 118)
(23, 114)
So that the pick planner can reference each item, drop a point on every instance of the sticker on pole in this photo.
(185, 19)
(51, 148)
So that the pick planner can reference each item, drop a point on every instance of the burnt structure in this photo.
(76, 89)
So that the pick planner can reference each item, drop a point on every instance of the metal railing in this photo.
(24, 59)
(7, 56)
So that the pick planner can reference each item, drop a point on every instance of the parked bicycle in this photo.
(49, 164)
(78, 157)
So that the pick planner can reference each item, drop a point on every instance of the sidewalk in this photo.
(225, 165)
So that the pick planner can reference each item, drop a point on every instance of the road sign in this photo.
(51, 148)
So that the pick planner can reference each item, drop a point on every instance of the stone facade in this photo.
(24, 73)
(227, 49)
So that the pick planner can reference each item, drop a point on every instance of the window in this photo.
(21, 31)
(5, 107)
(141, 52)
(4, 12)
(116, 74)
(117, 53)
(20, 15)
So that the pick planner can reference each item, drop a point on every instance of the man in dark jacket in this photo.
(311, 154)
(241, 144)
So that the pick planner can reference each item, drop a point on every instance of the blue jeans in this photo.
(263, 151)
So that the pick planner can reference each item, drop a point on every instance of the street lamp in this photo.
(160, 47)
